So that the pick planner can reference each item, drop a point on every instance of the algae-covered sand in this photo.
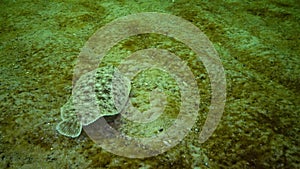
(258, 44)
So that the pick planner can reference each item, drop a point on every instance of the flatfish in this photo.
(98, 93)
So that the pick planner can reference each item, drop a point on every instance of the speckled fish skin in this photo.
(102, 92)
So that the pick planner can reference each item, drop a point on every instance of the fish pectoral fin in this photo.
(70, 128)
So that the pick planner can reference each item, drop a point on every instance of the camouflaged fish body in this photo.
(102, 92)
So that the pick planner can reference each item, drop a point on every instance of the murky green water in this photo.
(257, 42)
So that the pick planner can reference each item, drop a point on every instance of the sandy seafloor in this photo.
(258, 44)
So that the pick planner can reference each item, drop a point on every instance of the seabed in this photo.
(258, 45)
